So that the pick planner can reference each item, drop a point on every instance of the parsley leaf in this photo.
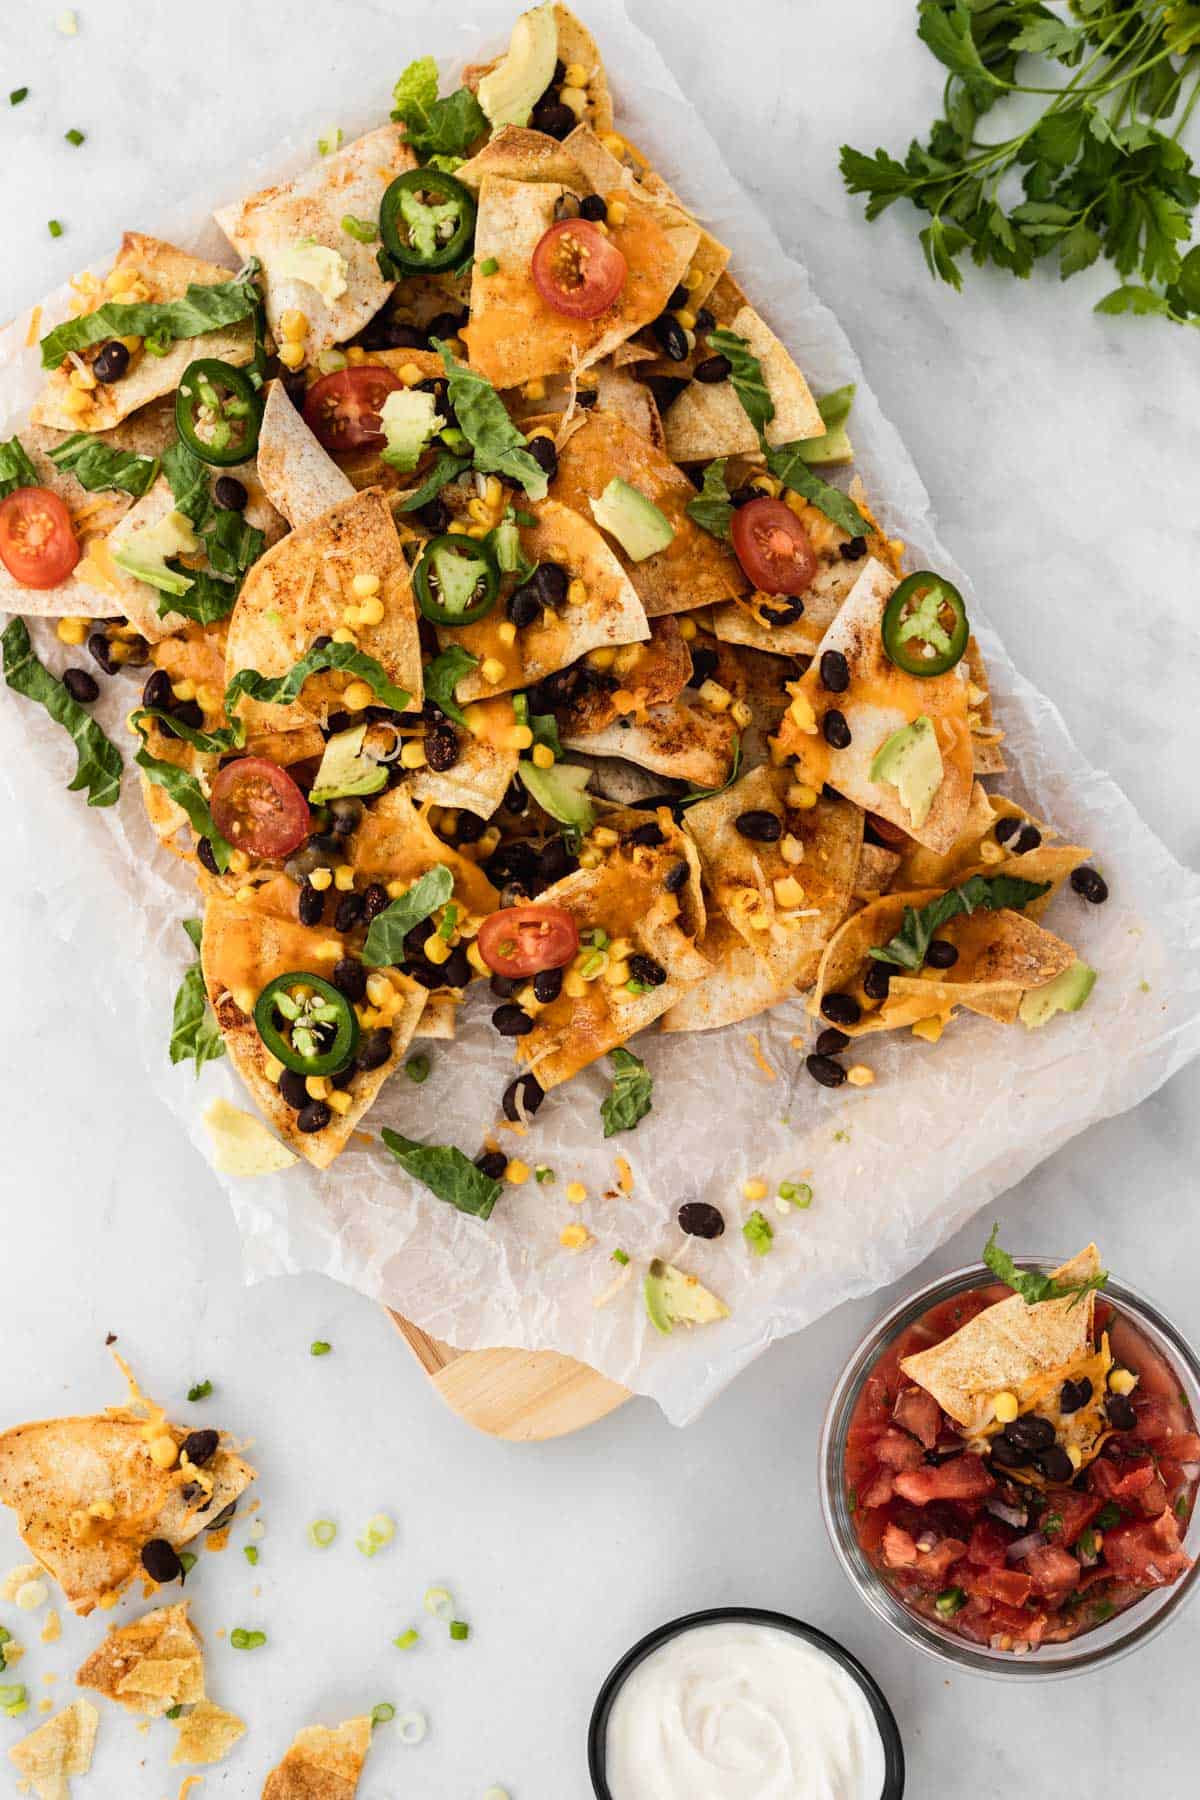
(443, 675)
(1032, 1286)
(201, 309)
(96, 465)
(629, 1100)
(745, 376)
(712, 508)
(991, 892)
(499, 448)
(99, 765)
(446, 1172)
(436, 129)
(16, 470)
(200, 1390)
(384, 946)
(195, 1033)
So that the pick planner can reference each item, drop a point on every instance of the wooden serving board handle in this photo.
(525, 1396)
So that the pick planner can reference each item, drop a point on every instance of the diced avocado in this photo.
(673, 1298)
(409, 418)
(912, 763)
(1066, 993)
(345, 770)
(316, 265)
(834, 446)
(636, 523)
(509, 94)
(144, 553)
(560, 791)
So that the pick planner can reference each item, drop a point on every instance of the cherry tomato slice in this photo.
(38, 545)
(520, 940)
(342, 410)
(259, 808)
(773, 547)
(577, 270)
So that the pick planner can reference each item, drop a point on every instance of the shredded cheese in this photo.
(759, 1058)
(35, 325)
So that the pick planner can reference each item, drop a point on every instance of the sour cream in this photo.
(742, 1711)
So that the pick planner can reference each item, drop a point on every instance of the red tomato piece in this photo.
(1076, 1511)
(900, 1551)
(1023, 1627)
(1153, 1498)
(963, 1478)
(1159, 1416)
(879, 1493)
(577, 269)
(521, 940)
(1150, 1555)
(896, 1450)
(1121, 1480)
(988, 1548)
(919, 1413)
(1052, 1570)
(773, 547)
(342, 410)
(38, 545)
(1010, 1587)
(259, 808)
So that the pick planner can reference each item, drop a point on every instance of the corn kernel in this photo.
(614, 143)
(791, 849)
(493, 492)
(164, 1452)
(520, 737)
(788, 892)
(343, 878)
(317, 1087)
(766, 484)
(801, 796)
(1005, 1407)
(72, 631)
(355, 354)
(210, 698)
(412, 756)
(272, 1068)
(1122, 1381)
(293, 324)
(364, 585)
(990, 852)
(82, 378)
(618, 212)
(754, 1189)
(929, 1029)
(686, 317)
(243, 895)
(132, 344)
(476, 960)
(694, 280)
(575, 98)
(577, 592)
(320, 879)
(574, 1237)
(714, 696)
(358, 696)
(291, 355)
(371, 611)
(343, 635)
(534, 390)
(492, 670)
(605, 837)
(480, 511)
(590, 858)
(516, 1172)
(620, 947)
(239, 862)
(975, 695)
(801, 713)
(75, 401)
(602, 658)
(339, 1101)
(396, 888)
(436, 949)
(543, 756)
(576, 1193)
(687, 630)
(474, 530)
(576, 76)
(858, 1075)
(489, 842)
(741, 714)
(574, 985)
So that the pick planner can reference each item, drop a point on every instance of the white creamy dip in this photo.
(742, 1711)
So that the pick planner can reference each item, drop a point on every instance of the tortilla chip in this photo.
(609, 613)
(299, 477)
(880, 700)
(986, 737)
(311, 208)
(513, 336)
(60, 1748)
(396, 842)
(299, 591)
(1007, 1344)
(206, 1734)
(247, 943)
(742, 984)
(167, 273)
(517, 153)
(322, 1764)
(876, 869)
(979, 852)
(681, 740)
(624, 783)
(627, 681)
(439, 1021)
(486, 764)
(54, 1470)
(151, 1665)
(709, 420)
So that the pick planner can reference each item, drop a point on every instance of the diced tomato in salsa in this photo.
(918, 1412)
(896, 1450)
(1121, 1481)
(901, 1551)
(962, 1478)
(1010, 1586)
(1052, 1570)
(1149, 1554)
(1075, 1510)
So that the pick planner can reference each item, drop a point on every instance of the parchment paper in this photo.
(895, 1168)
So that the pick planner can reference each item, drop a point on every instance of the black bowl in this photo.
(889, 1731)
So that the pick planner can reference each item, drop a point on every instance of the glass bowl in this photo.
(1102, 1643)
(889, 1731)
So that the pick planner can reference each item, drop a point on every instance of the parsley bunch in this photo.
(1099, 174)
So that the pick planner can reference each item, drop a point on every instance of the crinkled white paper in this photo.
(894, 1168)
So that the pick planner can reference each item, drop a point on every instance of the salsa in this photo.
(995, 1539)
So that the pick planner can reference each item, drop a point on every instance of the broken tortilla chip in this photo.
(60, 1748)
(708, 419)
(298, 475)
(322, 1763)
(151, 1665)
(206, 1734)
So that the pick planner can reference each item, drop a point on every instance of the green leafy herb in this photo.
(364, 231)
(745, 377)
(1050, 1524)
(436, 128)
(712, 508)
(443, 675)
(447, 468)
(181, 786)
(499, 448)
(75, 137)
(97, 465)
(446, 1172)
(206, 599)
(543, 1173)
(384, 946)
(195, 1034)
(188, 479)
(629, 1098)
(991, 892)
(417, 1068)
(15, 99)
(201, 309)
(16, 470)
(1108, 1516)
(98, 769)
(1032, 1286)
(788, 464)
(1102, 1610)
(758, 1233)
(319, 1347)
(247, 1640)
(233, 546)
(950, 1601)
(200, 1390)
(1100, 176)
(694, 794)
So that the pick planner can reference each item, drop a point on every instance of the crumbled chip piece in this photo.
(206, 1734)
(151, 1665)
(61, 1747)
(242, 1145)
(322, 1764)
(16, 1578)
(52, 1629)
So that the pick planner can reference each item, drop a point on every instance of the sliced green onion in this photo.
(247, 1640)
(439, 1601)
(187, 1561)
(11, 1696)
(200, 1390)
(407, 1639)
(17, 95)
(322, 1533)
(497, 1793)
(173, 1712)
(365, 230)
(417, 1068)
(331, 141)
(54, 228)
(378, 1531)
(950, 1601)
(542, 1173)
(449, 921)
(489, 266)
(412, 1727)
(319, 1347)
(250, 1552)
(460, 1631)
(73, 136)
(329, 362)
(383, 1713)
(796, 1193)
(620, 1256)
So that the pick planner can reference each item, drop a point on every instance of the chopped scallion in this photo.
(322, 1533)
(382, 1713)
(950, 1601)
(460, 1631)
(542, 1173)
(412, 1727)
(200, 1390)
(250, 1552)
(796, 1193)
(187, 1561)
(331, 141)
(417, 1068)
(74, 137)
(407, 1639)
(319, 1347)
(247, 1640)
(54, 228)
(173, 1712)
(379, 1530)
(364, 230)
(439, 1601)
(17, 95)
(489, 266)
(621, 1256)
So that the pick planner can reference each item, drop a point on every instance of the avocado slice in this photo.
(636, 523)
(144, 553)
(409, 418)
(345, 770)
(910, 761)
(835, 445)
(560, 791)
(673, 1298)
(509, 94)
(1066, 993)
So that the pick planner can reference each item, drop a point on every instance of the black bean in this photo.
(1054, 1463)
(81, 686)
(592, 207)
(229, 494)
(671, 337)
(311, 905)
(586, 396)
(206, 857)
(409, 337)
(469, 827)
(435, 516)
(712, 369)
(441, 747)
(1030, 1432)
(531, 1093)
(157, 691)
(555, 860)
(547, 985)
(835, 729)
(504, 986)
(1028, 839)
(1007, 1455)
(704, 665)
(760, 826)
(375, 901)
(831, 1042)
(826, 1070)
(456, 970)
(676, 877)
(783, 612)
(1006, 828)
(348, 912)
(854, 551)
(446, 324)
(426, 973)
(350, 977)
(524, 606)
(493, 1164)
(223, 1517)
(645, 970)
(1121, 1413)
(160, 1561)
(190, 712)
(542, 450)
(1091, 884)
(112, 362)
(1074, 1394)
(705, 320)
(678, 299)
(554, 118)
(325, 843)
(291, 1087)
(551, 582)
(374, 1048)
(835, 671)
(344, 1076)
(100, 648)
(941, 954)
(200, 1447)
(512, 1021)
(742, 496)
(877, 980)
(416, 939)
(841, 1009)
(648, 835)
(701, 1220)
(313, 1117)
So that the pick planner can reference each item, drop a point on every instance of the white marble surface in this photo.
(1061, 453)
